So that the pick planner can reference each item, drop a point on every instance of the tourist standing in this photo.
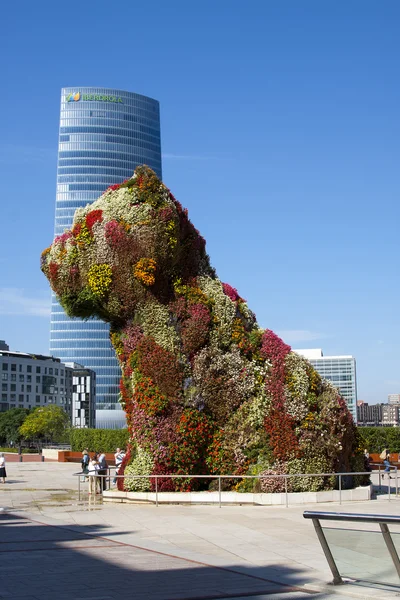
(93, 471)
(385, 455)
(3, 473)
(103, 467)
(118, 457)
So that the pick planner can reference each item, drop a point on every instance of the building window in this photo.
(13, 387)
(29, 368)
(28, 388)
(20, 368)
(4, 376)
(22, 378)
(55, 371)
(22, 388)
(37, 378)
(4, 397)
(29, 378)
(13, 377)
(37, 399)
(5, 366)
(4, 387)
(13, 397)
(37, 369)
(13, 367)
(21, 397)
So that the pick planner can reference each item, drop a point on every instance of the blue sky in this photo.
(280, 133)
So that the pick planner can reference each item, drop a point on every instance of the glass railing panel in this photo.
(361, 554)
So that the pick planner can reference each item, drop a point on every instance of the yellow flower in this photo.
(144, 271)
(99, 279)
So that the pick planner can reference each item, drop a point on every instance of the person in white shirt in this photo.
(93, 470)
(118, 457)
(3, 473)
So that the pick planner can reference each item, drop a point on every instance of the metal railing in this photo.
(382, 520)
(219, 478)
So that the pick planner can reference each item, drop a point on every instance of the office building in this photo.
(340, 370)
(31, 380)
(394, 398)
(83, 405)
(104, 135)
(3, 345)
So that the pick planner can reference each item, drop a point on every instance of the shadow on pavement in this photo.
(48, 562)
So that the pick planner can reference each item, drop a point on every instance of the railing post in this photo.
(397, 483)
(219, 490)
(337, 580)
(286, 492)
(390, 546)
(79, 488)
(379, 473)
(156, 490)
(389, 486)
(340, 489)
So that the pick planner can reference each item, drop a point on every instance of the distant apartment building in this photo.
(3, 345)
(30, 380)
(340, 370)
(394, 398)
(378, 415)
(369, 415)
(83, 406)
(390, 415)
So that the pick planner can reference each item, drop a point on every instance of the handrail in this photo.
(219, 478)
(356, 518)
(382, 520)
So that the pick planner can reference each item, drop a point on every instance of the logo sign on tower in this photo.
(75, 97)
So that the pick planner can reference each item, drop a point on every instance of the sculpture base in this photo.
(236, 498)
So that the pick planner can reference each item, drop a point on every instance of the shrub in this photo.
(98, 439)
(375, 439)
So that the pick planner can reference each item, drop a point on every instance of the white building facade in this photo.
(31, 380)
(340, 370)
(83, 409)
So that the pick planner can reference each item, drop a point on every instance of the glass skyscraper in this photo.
(104, 135)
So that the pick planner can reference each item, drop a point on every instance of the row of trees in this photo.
(19, 425)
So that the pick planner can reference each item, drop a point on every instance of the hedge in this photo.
(376, 439)
(96, 440)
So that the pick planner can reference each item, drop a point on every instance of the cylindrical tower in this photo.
(104, 135)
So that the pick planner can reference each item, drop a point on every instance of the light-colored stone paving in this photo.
(184, 545)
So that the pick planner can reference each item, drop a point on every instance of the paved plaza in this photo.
(54, 546)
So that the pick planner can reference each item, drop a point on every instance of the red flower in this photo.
(94, 216)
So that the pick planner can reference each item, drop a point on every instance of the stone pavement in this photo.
(53, 546)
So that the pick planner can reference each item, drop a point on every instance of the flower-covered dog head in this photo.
(133, 243)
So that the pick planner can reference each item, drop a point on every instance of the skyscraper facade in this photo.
(340, 370)
(104, 134)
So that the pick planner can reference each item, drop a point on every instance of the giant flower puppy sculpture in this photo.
(205, 390)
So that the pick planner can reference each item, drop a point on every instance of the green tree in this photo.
(50, 422)
(10, 422)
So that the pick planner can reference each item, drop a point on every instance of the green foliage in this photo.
(141, 464)
(98, 439)
(315, 464)
(50, 422)
(375, 439)
(10, 422)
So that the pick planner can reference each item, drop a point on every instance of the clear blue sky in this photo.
(280, 133)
